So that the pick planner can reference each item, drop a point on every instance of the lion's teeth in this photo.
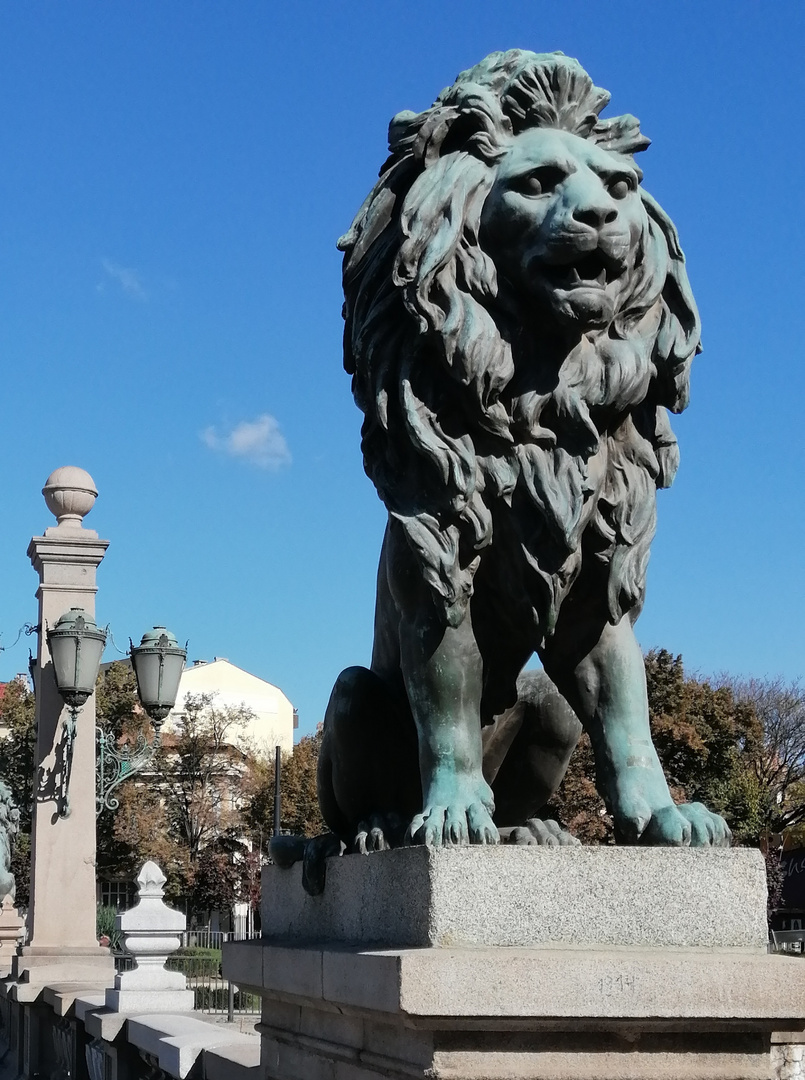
(602, 277)
(574, 274)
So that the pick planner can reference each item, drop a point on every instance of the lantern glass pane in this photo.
(63, 653)
(89, 662)
(146, 669)
(172, 673)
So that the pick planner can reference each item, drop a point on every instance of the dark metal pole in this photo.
(277, 797)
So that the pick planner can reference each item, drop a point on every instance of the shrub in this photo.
(195, 961)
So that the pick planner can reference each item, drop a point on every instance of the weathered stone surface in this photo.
(512, 896)
(552, 963)
(633, 1060)
(177, 1042)
(545, 983)
(150, 1001)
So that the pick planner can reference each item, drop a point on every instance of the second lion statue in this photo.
(518, 321)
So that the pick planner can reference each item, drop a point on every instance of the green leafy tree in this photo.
(21, 869)
(117, 707)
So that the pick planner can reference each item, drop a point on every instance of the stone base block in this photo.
(510, 896)
(505, 1014)
(529, 964)
(35, 968)
(365, 1050)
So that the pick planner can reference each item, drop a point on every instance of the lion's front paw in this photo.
(686, 825)
(706, 828)
(457, 823)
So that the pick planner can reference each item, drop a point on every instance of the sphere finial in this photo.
(70, 494)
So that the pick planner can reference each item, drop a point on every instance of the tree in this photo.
(577, 804)
(217, 880)
(186, 800)
(118, 710)
(17, 756)
(299, 801)
(117, 707)
(778, 756)
(198, 772)
(140, 831)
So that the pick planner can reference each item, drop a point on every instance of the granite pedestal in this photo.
(496, 964)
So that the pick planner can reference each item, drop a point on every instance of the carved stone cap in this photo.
(70, 494)
(151, 879)
(151, 916)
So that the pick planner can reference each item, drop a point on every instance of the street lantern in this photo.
(158, 662)
(76, 645)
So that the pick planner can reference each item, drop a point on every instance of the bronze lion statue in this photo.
(518, 321)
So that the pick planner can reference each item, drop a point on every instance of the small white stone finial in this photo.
(70, 494)
(152, 931)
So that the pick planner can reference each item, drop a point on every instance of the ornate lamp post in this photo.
(158, 662)
(76, 645)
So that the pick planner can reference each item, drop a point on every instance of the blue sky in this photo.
(175, 176)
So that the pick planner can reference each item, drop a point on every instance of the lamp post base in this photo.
(35, 967)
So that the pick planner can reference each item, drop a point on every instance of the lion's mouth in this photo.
(594, 270)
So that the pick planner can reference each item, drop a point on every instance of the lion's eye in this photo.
(541, 181)
(620, 187)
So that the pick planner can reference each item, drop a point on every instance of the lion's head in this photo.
(516, 307)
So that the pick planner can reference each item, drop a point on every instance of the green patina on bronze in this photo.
(518, 323)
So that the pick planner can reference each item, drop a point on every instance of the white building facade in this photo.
(274, 717)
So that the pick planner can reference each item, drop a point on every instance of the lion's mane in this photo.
(463, 410)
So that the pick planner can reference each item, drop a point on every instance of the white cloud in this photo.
(127, 278)
(260, 442)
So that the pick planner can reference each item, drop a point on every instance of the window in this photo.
(117, 894)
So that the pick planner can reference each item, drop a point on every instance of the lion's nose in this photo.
(595, 216)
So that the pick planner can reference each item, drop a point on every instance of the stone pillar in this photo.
(61, 920)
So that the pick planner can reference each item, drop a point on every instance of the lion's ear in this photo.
(678, 338)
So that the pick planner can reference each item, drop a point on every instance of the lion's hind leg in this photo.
(539, 832)
(526, 754)
(368, 773)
